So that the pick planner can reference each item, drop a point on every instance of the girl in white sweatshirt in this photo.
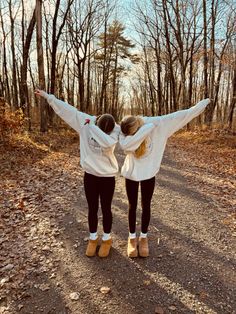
(98, 137)
(144, 139)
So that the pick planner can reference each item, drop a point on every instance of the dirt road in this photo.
(191, 268)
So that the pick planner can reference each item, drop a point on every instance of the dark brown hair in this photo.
(105, 122)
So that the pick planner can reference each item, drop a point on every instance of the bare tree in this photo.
(205, 48)
(24, 96)
(233, 98)
(40, 59)
(56, 37)
(84, 22)
(5, 77)
(14, 63)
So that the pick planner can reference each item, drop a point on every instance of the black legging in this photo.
(96, 187)
(147, 189)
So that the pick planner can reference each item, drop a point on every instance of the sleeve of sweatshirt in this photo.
(131, 142)
(174, 121)
(103, 139)
(68, 113)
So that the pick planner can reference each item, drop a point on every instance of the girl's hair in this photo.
(105, 122)
(129, 126)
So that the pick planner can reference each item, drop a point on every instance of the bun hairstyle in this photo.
(105, 122)
(129, 126)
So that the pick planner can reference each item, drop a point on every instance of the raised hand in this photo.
(41, 93)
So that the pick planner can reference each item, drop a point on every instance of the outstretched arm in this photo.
(68, 113)
(132, 142)
(174, 121)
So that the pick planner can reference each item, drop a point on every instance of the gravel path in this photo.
(191, 268)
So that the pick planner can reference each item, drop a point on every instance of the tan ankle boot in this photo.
(105, 248)
(143, 247)
(91, 248)
(132, 248)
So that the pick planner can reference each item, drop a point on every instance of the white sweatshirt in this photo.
(96, 147)
(156, 130)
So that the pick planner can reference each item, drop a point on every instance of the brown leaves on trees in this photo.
(11, 122)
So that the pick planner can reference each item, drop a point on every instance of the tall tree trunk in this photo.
(103, 101)
(233, 101)
(6, 85)
(14, 72)
(88, 96)
(54, 48)
(24, 95)
(172, 100)
(210, 109)
(81, 84)
(55, 40)
(225, 111)
(40, 59)
(113, 94)
(159, 83)
(205, 50)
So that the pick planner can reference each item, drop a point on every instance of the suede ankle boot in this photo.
(132, 248)
(105, 247)
(143, 247)
(91, 248)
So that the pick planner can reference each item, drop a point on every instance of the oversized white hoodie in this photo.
(156, 130)
(96, 147)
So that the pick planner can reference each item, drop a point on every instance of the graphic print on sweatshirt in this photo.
(94, 146)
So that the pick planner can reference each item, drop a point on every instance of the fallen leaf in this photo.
(146, 282)
(20, 306)
(21, 204)
(159, 310)
(203, 295)
(7, 267)
(74, 296)
(105, 290)
(44, 287)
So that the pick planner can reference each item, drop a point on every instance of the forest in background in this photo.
(161, 57)
(148, 57)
